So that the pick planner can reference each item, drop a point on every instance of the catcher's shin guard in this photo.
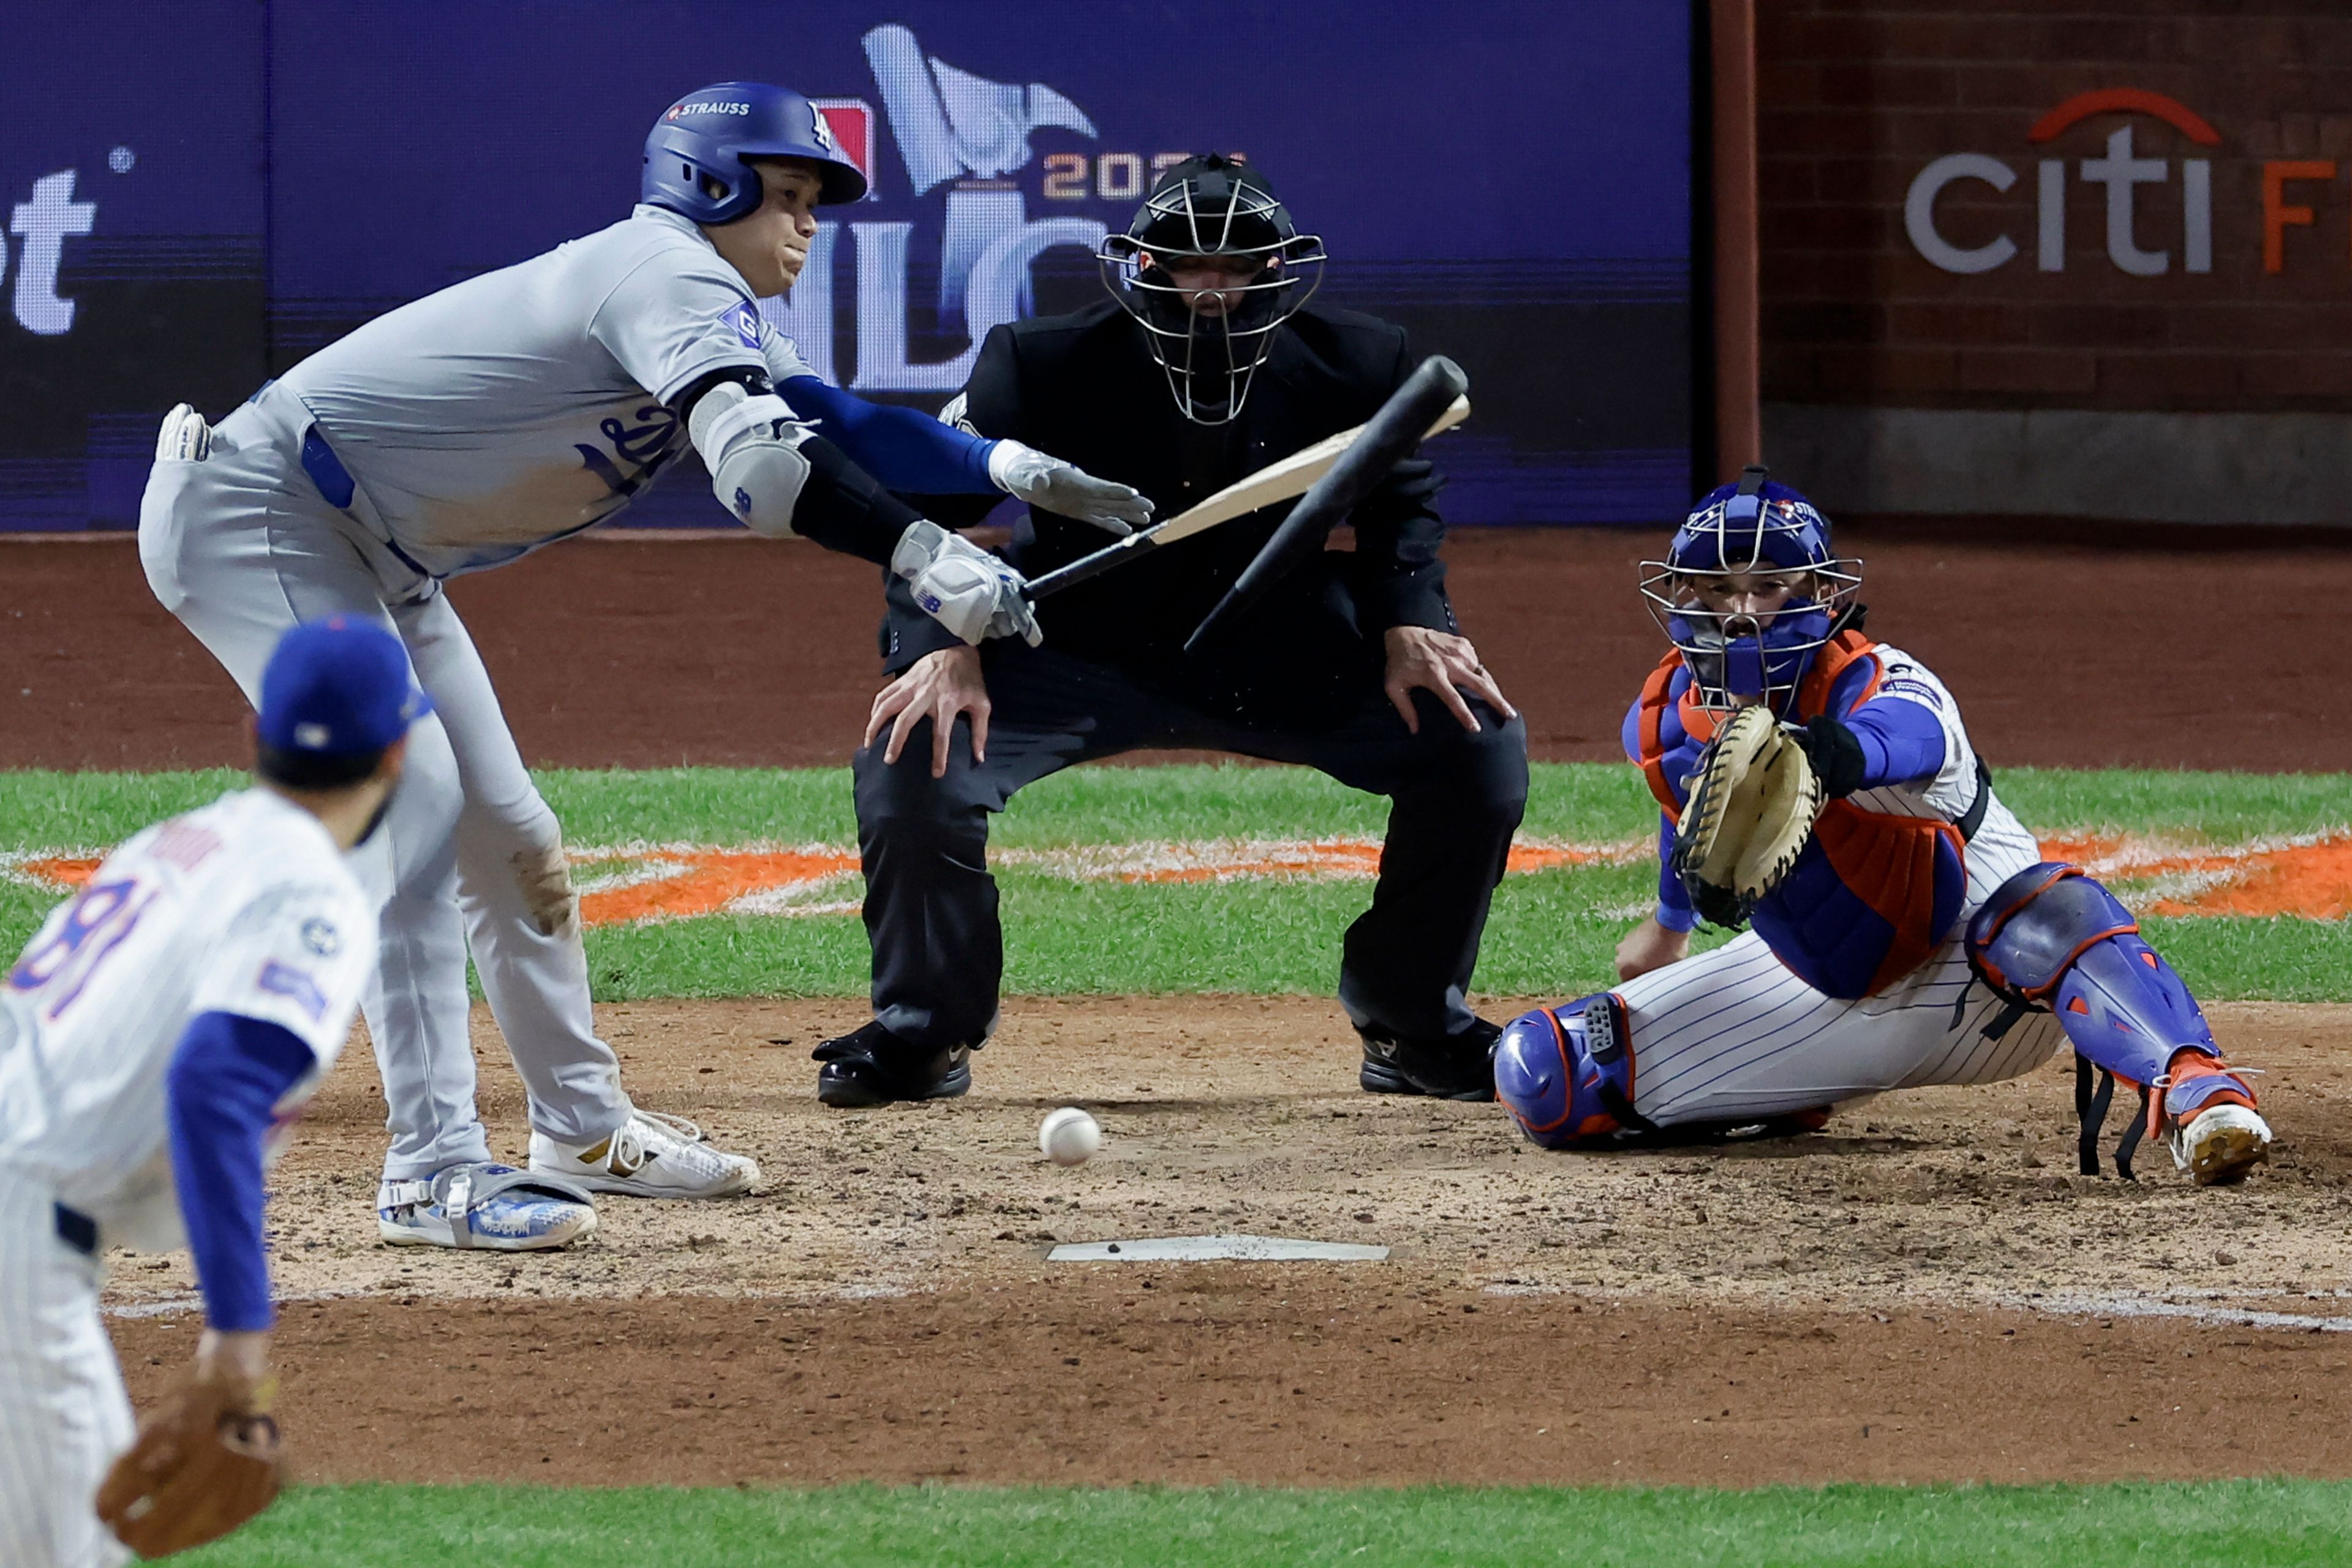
(2053, 939)
(2125, 1008)
(1566, 1073)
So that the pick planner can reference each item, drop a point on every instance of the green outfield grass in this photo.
(1552, 931)
(2246, 1524)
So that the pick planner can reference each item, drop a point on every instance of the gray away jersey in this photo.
(510, 410)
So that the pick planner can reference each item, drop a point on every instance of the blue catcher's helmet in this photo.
(1752, 527)
(696, 152)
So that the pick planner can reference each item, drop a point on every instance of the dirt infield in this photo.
(2067, 647)
(1925, 1291)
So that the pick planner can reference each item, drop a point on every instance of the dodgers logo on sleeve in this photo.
(745, 319)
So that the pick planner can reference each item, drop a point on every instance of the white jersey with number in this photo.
(244, 906)
(508, 411)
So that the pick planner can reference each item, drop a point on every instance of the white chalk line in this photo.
(2071, 1304)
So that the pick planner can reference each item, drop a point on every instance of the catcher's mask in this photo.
(1210, 205)
(1735, 657)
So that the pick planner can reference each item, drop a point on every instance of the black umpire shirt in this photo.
(1085, 388)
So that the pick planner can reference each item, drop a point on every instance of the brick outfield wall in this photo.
(1864, 340)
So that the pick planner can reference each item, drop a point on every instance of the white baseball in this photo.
(1069, 1136)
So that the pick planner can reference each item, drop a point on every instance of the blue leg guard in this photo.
(1565, 1073)
(2125, 1008)
(2051, 938)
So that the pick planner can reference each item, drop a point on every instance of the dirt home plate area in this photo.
(1926, 1292)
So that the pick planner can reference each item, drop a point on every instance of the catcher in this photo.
(1820, 788)
(157, 1039)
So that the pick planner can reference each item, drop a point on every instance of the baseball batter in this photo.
(1917, 936)
(463, 431)
(157, 1039)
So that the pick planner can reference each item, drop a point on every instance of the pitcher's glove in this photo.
(1753, 799)
(205, 1461)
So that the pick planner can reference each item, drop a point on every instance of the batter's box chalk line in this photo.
(1216, 1250)
(2071, 1304)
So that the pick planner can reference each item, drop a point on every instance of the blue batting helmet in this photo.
(1737, 530)
(696, 152)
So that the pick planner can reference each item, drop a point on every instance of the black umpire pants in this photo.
(931, 906)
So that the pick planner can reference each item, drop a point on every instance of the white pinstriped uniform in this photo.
(1732, 1035)
(63, 1412)
(244, 906)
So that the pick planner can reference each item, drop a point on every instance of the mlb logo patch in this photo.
(745, 319)
(849, 124)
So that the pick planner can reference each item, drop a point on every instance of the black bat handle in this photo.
(1090, 566)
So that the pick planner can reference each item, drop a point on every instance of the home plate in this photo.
(1216, 1248)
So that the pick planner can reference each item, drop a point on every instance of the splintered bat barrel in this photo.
(1389, 438)
(1253, 492)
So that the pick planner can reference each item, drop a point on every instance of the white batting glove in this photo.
(964, 588)
(186, 438)
(1059, 486)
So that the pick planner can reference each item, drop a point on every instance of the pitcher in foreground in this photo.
(157, 1039)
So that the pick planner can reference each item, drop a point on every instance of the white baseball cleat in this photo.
(2207, 1117)
(2222, 1144)
(651, 1156)
(494, 1208)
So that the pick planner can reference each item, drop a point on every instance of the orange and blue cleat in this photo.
(2205, 1111)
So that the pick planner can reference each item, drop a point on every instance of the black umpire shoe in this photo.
(1460, 1066)
(871, 1065)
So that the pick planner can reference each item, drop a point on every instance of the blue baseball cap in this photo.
(338, 687)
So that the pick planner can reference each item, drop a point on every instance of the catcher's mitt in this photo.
(205, 1461)
(1753, 799)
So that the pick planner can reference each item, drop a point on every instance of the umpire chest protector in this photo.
(1872, 895)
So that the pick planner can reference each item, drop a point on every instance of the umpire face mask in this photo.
(1211, 269)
